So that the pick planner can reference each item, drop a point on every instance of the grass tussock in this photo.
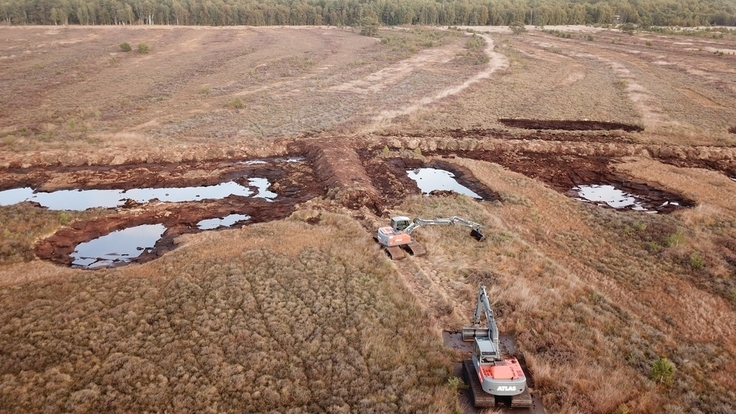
(316, 322)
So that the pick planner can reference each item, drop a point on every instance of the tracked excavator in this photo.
(493, 380)
(396, 238)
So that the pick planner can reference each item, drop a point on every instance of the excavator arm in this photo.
(476, 230)
(490, 331)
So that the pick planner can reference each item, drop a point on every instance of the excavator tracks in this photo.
(415, 249)
(395, 252)
(482, 399)
(399, 252)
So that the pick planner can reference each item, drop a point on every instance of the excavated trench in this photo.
(389, 176)
(569, 173)
(569, 125)
(354, 178)
(290, 183)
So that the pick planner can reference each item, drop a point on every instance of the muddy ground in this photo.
(354, 178)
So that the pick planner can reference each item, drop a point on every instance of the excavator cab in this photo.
(399, 223)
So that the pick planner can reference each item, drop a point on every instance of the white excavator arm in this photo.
(476, 232)
(490, 331)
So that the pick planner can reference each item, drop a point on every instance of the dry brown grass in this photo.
(315, 322)
(590, 306)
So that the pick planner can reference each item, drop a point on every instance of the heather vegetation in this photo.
(341, 13)
(316, 322)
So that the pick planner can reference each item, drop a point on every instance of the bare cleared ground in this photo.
(300, 311)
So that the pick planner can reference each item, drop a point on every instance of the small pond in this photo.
(120, 246)
(227, 221)
(84, 199)
(431, 179)
(613, 197)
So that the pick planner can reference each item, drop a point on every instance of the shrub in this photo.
(475, 42)
(649, 43)
(590, 38)
(125, 47)
(663, 371)
(674, 239)
(369, 27)
(64, 217)
(236, 103)
(456, 383)
(517, 28)
(696, 261)
(622, 409)
(628, 28)
(621, 84)
(142, 48)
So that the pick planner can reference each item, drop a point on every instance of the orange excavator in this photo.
(493, 379)
(396, 238)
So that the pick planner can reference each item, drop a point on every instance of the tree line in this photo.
(686, 13)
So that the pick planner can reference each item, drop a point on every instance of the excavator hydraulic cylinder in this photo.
(470, 333)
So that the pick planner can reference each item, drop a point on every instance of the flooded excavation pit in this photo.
(625, 195)
(220, 222)
(84, 199)
(588, 178)
(433, 179)
(611, 196)
(118, 247)
(396, 178)
(176, 198)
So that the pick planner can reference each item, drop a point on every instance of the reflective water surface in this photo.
(430, 179)
(120, 246)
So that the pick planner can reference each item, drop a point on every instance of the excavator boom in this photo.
(476, 231)
(396, 238)
(490, 331)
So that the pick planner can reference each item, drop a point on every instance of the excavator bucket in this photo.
(477, 234)
(471, 332)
